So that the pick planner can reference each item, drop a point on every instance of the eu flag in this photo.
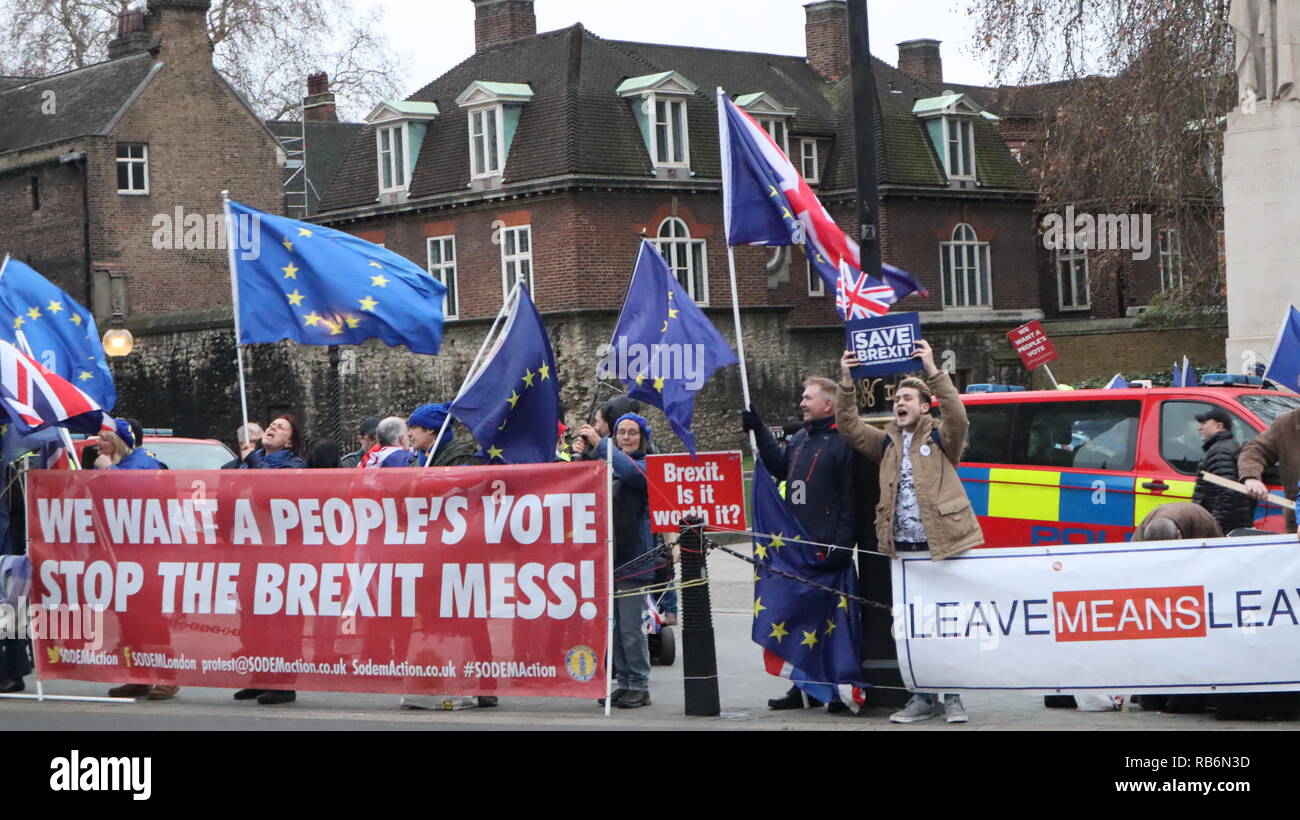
(61, 333)
(319, 286)
(1185, 376)
(512, 404)
(808, 634)
(1284, 367)
(664, 347)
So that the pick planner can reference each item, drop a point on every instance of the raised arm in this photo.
(861, 436)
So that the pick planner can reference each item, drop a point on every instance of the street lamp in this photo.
(118, 341)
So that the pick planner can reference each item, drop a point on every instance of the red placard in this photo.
(1032, 345)
(456, 580)
(710, 485)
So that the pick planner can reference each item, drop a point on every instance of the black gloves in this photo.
(750, 421)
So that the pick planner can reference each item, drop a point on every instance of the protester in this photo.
(323, 455)
(816, 466)
(15, 652)
(366, 439)
(923, 505)
(423, 427)
(390, 451)
(117, 445)
(246, 438)
(562, 451)
(281, 450)
(1229, 507)
(632, 540)
(1280, 445)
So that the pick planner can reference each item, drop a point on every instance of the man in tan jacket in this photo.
(923, 506)
(1280, 445)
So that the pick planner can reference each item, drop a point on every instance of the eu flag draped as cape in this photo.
(808, 634)
(664, 347)
(512, 404)
(61, 333)
(319, 286)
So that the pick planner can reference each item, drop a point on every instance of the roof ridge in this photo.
(37, 80)
(798, 57)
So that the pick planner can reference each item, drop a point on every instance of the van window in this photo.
(1268, 406)
(1180, 433)
(989, 434)
(1095, 435)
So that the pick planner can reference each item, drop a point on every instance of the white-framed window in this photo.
(1171, 259)
(132, 169)
(486, 138)
(809, 164)
(959, 147)
(517, 259)
(670, 144)
(816, 284)
(442, 266)
(686, 257)
(967, 278)
(775, 128)
(393, 174)
(1072, 279)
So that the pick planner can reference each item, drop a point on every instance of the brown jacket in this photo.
(950, 523)
(1279, 444)
(1192, 520)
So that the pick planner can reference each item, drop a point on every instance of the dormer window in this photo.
(399, 134)
(950, 122)
(771, 115)
(494, 110)
(659, 104)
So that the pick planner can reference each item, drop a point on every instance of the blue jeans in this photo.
(631, 650)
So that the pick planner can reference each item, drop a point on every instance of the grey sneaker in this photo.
(955, 712)
(916, 709)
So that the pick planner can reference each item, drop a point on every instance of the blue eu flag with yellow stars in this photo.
(808, 634)
(664, 347)
(61, 333)
(319, 286)
(512, 404)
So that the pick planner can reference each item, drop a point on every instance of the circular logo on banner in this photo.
(580, 661)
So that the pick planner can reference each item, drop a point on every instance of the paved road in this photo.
(744, 687)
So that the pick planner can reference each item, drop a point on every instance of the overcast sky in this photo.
(435, 35)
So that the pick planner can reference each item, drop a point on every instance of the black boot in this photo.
(248, 694)
(794, 699)
(274, 696)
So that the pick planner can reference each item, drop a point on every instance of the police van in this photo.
(1086, 466)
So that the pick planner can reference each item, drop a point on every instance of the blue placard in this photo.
(885, 344)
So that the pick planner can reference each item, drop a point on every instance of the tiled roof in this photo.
(86, 101)
(576, 122)
(327, 145)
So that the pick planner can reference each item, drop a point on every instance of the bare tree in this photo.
(1132, 116)
(266, 48)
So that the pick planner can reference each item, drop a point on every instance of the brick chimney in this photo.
(131, 35)
(919, 59)
(318, 105)
(502, 21)
(180, 29)
(827, 33)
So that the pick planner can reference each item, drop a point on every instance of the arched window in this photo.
(686, 258)
(966, 275)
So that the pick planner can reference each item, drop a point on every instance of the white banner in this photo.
(1163, 617)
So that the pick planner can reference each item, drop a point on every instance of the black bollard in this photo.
(699, 654)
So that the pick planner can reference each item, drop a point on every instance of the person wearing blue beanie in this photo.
(423, 427)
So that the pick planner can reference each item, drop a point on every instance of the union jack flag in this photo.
(858, 296)
(36, 398)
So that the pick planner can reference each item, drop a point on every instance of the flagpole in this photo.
(725, 144)
(505, 310)
(609, 540)
(234, 298)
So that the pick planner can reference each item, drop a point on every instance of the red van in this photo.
(1086, 466)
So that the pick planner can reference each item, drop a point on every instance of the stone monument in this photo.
(1261, 178)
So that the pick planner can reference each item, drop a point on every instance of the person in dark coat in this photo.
(1231, 509)
(818, 468)
(366, 438)
(632, 540)
(281, 449)
(423, 427)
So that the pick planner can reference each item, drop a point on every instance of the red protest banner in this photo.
(711, 486)
(1032, 345)
(446, 581)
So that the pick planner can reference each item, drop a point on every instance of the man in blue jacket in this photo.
(817, 466)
